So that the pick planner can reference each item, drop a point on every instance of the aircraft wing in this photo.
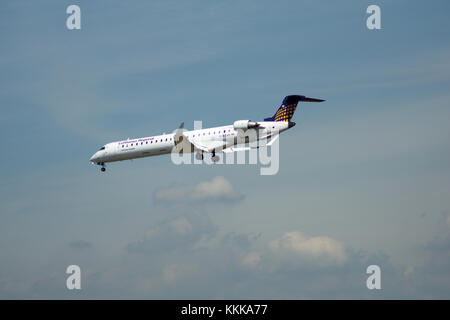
(235, 149)
(206, 146)
(213, 145)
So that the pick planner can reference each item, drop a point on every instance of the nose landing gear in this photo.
(103, 169)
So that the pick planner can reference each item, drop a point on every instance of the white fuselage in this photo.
(164, 144)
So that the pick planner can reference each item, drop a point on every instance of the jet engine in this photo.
(245, 124)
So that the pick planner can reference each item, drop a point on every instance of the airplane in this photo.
(209, 140)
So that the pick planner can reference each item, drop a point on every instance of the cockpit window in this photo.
(102, 148)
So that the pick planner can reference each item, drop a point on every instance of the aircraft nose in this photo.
(93, 158)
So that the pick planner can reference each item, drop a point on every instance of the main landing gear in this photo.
(199, 155)
(214, 158)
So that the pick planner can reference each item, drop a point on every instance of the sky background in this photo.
(364, 177)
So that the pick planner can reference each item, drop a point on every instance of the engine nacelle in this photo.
(245, 124)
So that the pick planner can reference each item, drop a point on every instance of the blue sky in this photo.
(366, 172)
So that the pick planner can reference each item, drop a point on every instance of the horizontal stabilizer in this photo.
(306, 99)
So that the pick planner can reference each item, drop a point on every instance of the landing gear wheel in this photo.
(199, 156)
(103, 169)
(214, 158)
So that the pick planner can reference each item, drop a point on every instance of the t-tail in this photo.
(288, 106)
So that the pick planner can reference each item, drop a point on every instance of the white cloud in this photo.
(322, 250)
(218, 189)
